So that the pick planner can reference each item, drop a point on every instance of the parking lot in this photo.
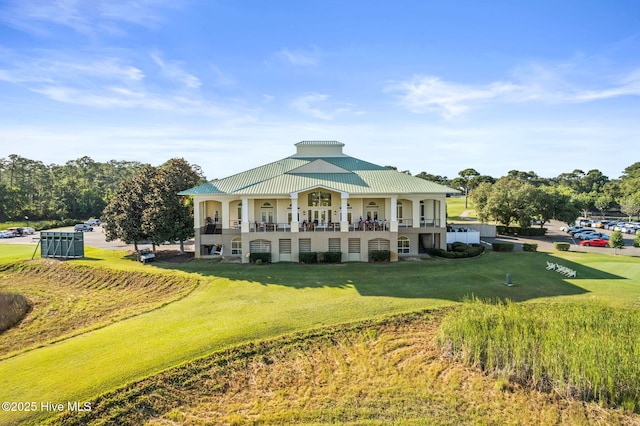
(96, 238)
(554, 234)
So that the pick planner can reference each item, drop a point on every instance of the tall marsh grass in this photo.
(584, 351)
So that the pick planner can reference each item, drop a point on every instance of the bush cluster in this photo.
(308, 257)
(529, 247)
(458, 251)
(560, 246)
(380, 256)
(516, 230)
(504, 247)
(332, 257)
(261, 257)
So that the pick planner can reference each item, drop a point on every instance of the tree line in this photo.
(522, 197)
(83, 188)
(78, 189)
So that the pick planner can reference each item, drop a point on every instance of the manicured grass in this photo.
(455, 208)
(241, 303)
(13, 252)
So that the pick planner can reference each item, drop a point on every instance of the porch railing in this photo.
(365, 226)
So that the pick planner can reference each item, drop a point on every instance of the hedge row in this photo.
(529, 247)
(504, 247)
(516, 230)
(458, 251)
(260, 258)
(380, 256)
(323, 257)
(561, 246)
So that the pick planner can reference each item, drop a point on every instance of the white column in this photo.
(344, 216)
(294, 212)
(245, 215)
(443, 213)
(226, 214)
(393, 223)
(416, 213)
(197, 214)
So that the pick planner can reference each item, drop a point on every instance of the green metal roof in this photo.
(355, 176)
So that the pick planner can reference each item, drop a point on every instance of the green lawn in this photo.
(455, 208)
(240, 303)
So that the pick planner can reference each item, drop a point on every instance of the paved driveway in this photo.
(96, 238)
(555, 235)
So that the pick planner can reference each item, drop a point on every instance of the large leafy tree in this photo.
(124, 214)
(168, 216)
(480, 198)
(630, 205)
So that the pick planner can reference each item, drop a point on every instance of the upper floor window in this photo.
(319, 199)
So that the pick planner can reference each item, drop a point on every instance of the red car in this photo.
(596, 242)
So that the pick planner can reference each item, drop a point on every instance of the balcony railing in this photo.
(365, 226)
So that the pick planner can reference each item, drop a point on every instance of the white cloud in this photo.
(431, 94)
(84, 17)
(173, 71)
(309, 105)
(299, 58)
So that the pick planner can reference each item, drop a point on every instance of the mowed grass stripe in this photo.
(278, 299)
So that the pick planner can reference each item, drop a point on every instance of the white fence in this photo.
(463, 235)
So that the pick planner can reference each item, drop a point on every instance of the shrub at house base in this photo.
(503, 247)
(260, 258)
(380, 256)
(458, 251)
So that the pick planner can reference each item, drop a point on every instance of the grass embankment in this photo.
(68, 299)
(381, 372)
(588, 352)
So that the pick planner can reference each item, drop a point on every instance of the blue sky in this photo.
(434, 86)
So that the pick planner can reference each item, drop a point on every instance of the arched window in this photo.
(236, 245)
(403, 244)
(266, 212)
(319, 199)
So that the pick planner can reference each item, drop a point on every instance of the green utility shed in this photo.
(62, 245)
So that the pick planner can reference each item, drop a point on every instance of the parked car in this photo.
(574, 231)
(28, 231)
(583, 234)
(619, 226)
(82, 227)
(93, 222)
(595, 235)
(6, 234)
(612, 225)
(596, 242)
(17, 231)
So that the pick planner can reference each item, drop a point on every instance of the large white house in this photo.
(318, 200)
